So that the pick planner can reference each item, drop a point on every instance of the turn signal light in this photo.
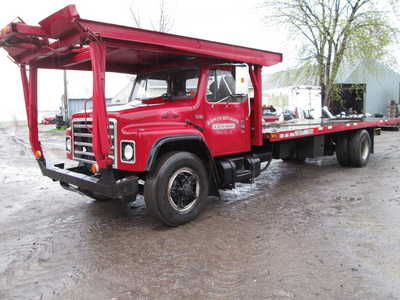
(6, 30)
(94, 168)
(37, 154)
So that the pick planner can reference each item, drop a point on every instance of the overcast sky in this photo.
(229, 21)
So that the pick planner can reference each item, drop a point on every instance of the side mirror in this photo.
(241, 84)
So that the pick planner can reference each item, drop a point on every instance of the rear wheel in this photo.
(176, 191)
(360, 148)
(342, 150)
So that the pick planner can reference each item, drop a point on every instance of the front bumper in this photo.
(79, 180)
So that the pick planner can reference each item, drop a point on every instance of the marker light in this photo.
(6, 29)
(37, 154)
(94, 168)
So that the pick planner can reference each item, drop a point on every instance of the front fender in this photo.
(149, 141)
(160, 143)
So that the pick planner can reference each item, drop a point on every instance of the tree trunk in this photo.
(328, 92)
(322, 85)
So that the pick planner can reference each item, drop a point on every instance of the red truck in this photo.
(177, 145)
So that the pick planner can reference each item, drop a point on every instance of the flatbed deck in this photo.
(287, 130)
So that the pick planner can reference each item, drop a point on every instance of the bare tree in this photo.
(395, 4)
(135, 13)
(164, 21)
(332, 31)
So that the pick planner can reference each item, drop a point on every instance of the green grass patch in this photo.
(62, 128)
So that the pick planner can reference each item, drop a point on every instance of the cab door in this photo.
(227, 122)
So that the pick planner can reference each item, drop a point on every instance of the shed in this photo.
(76, 105)
(365, 86)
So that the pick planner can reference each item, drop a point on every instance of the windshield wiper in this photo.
(230, 96)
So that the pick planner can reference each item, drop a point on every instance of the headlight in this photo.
(128, 151)
(68, 144)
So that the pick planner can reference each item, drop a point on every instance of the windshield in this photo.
(178, 83)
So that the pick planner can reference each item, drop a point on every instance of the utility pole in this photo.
(65, 98)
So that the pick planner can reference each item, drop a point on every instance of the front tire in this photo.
(176, 191)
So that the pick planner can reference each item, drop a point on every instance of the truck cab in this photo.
(200, 110)
(203, 100)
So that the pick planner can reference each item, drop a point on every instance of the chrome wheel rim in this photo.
(364, 149)
(183, 190)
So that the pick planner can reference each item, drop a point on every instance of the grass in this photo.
(62, 128)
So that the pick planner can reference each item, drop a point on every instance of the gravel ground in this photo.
(312, 231)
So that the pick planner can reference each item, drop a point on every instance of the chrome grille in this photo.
(82, 149)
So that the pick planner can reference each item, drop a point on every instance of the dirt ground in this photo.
(312, 231)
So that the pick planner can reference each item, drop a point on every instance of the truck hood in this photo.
(117, 109)
(141, 115)
(123, 107)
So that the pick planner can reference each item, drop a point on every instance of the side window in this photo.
(221, 87)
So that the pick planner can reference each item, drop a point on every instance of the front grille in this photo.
(82, 148)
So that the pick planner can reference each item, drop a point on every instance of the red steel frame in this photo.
(101, 146)
(30, 94)
(256, 80)
(102, 40)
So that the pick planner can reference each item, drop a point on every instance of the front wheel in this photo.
(176, 191)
